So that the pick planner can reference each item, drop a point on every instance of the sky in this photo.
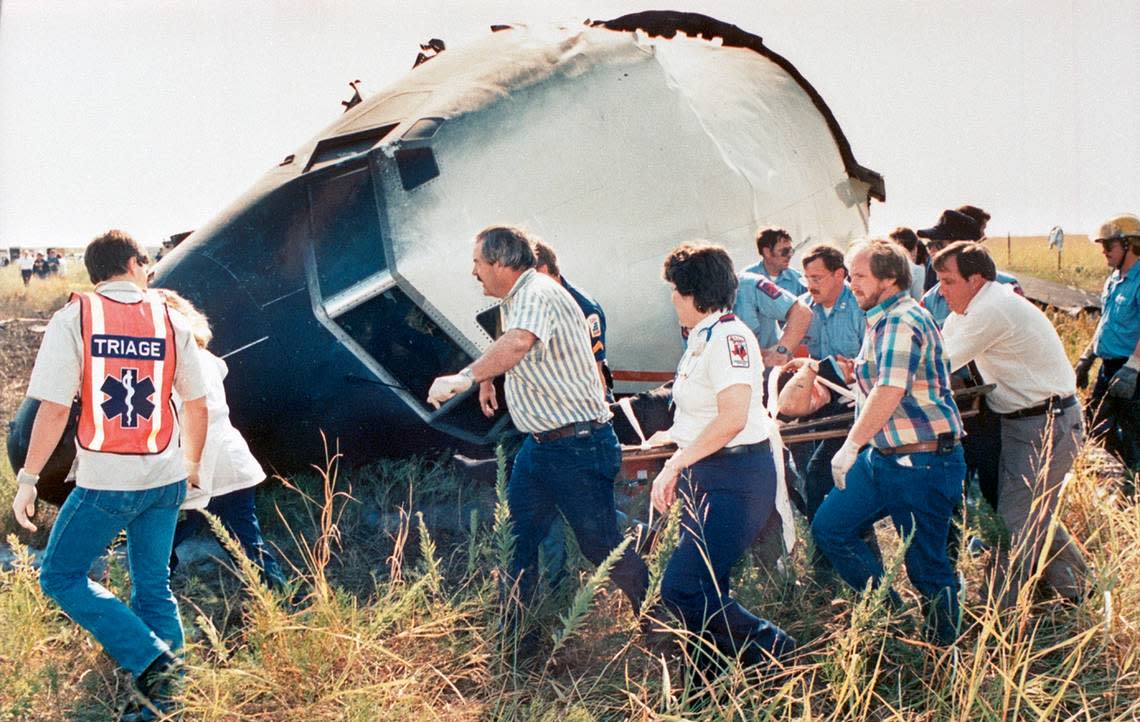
(153, 115)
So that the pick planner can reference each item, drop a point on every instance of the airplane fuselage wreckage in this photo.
(340, 285)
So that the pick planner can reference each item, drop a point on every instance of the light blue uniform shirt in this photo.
(761, 305)
(939, 310)
(789, 279)
(838, 333)
(1119, 326)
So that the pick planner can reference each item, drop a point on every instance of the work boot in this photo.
(156, 690)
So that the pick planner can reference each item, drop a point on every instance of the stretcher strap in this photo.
(627, 407)
(783, 505)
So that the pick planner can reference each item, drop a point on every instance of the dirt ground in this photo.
(19, 341)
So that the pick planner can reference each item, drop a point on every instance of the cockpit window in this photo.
(403, 339)
(331, 150)
(345, 222)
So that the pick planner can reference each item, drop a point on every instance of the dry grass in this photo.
(40, 298)
(1081, 263)
(407, 623)
(423, 639)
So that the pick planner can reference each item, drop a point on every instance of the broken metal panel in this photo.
(341, 281)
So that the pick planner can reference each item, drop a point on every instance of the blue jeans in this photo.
(238, 514)
(574, 475)
(919, 498)
(87, 523)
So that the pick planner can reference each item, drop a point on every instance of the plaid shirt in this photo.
(903, 349)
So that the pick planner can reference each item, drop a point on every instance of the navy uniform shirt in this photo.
(939, 310)
(595, 320)
(761, 305)
(1119, 326)
(838, 332)
(789, 279)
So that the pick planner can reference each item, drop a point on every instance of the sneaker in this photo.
(157, 689)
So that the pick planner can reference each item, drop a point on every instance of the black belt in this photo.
(1054, 405)
(580, 429)
(741, 449)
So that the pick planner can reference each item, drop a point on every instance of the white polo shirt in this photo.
(719, 354)
(59, 371)
(1015, 347)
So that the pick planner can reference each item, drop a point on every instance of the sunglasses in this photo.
(785, 252)
(143, 259)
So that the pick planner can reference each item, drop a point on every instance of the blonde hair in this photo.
(199, 324)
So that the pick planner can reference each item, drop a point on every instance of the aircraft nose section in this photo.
(235, 318)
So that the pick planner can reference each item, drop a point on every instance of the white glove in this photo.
(842, 462)
(444, 387)
(24, 503)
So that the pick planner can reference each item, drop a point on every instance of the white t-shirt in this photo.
(1015, 347)
(59, 371)
(714, 360)
(227, 463)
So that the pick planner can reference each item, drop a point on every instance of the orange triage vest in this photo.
(128, 373)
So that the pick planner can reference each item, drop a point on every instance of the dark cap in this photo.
(952, 226)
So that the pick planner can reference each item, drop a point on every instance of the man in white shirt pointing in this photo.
(1017, 349)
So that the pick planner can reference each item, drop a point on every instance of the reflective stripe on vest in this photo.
(129, 362)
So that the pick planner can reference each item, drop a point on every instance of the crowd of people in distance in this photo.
(41, 264)
(893, 327)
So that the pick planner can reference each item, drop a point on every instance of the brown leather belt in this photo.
(579, 428)
(920, 447)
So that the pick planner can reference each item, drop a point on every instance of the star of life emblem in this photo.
(128, 398)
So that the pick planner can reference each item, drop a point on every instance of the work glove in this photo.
(1084, 365)
(444, 387)
(24, 503)
(842, 462)
(1123, 383)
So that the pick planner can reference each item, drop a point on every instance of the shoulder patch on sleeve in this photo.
(594, 323)
(769, 289)
(737, 351)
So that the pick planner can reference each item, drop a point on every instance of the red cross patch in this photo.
(770, 289)
(738, 351)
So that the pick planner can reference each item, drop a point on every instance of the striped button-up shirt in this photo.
(556, 382)
(903, 349)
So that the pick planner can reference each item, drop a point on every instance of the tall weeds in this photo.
(425, 637)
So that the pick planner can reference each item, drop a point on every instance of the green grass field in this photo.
(403, 620)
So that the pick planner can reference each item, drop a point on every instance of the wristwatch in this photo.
(468, 374)
(782, 350)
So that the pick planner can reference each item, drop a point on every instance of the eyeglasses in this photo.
(785, 252)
